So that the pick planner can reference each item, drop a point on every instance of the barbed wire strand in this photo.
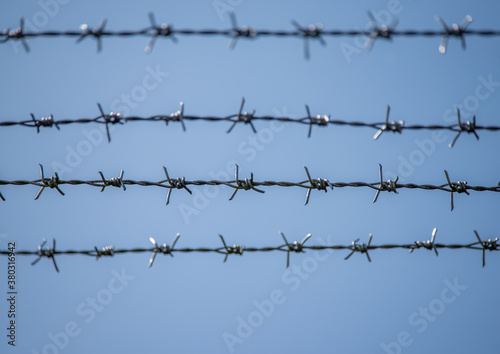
(294, 247)
(321, 184)
(311, 32)
(244, 117)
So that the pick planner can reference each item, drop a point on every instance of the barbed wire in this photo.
(288, 247)
(315, 32)
(321, 184)
(249, 117)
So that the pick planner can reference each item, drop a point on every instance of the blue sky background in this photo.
(194, 302)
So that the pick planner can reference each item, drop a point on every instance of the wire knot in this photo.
(113, 182)
(44, 122)
(320, 184)
(95, 32)
(163, 30)
(178, 116)
(321, 120)
(382, 31)
(311, 31)
(468, 127)
(455, 30)
(297, 247)
(490, 245)
(106, 251)
(165, 249)
(429, 244)
(362, 248)
(48, 252)
(244, 117)
(52, 182)
(235, 249)
(245, 184)
(389, 186)
(177, 183)
(459, 187)
(16, 34)
(113, 118)
(243, 31)
(393, 126)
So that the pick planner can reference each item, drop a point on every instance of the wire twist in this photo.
(251, 184)
(320, 120)
(295, 247)
(313, 31)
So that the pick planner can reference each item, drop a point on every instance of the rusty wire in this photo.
(244, 117)
(322, 184)
(288, 247)
(310, 32)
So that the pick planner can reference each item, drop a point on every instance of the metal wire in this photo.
(315, 32)
(310, 184)
(248, 118)
(293, 247)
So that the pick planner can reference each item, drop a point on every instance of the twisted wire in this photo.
(310, 32)
(288, 247)
(323, 120)
(310, 184)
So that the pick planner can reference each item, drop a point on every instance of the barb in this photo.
(249, 117)
(178, 116)
(362, 248)
(244, 31)
(319, 184)
(44, 122)
(163, 30)
(430, 245)
(467, 127)
(294, 247)
(487, 245)
(297, 247)
(379, 32)
(455, 30)
(96, 32)
(236, 249)
(52, 182)
(312, 31)
(165, 249)
(153, 31)
(178, 183)
(321, 120)
(16, 34)
(48, 252)
(106, 251)
(247, 184)
(244, 117)
(113, 118)
(115, 182)
(389, 186)
(459, 187)
(396, 127)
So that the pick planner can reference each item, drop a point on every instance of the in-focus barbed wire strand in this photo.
(244, 117)
(321, 184)
(293, 247)
(310, 32)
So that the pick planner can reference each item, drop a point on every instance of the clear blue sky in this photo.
(195, 303)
